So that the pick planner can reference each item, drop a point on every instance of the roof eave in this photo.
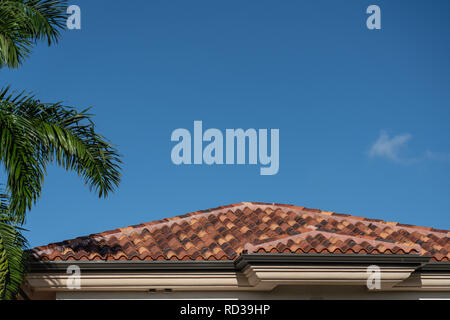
(240, 263)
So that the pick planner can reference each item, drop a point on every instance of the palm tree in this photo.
(24, 22)
(34, 134)
(12, 253)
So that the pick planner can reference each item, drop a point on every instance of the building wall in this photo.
(281, 292)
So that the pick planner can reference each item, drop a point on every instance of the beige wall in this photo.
(281, 292)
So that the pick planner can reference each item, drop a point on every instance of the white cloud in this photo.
(390, 147)
(444, 157)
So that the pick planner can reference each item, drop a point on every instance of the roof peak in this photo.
(224, 231)
(247, 204)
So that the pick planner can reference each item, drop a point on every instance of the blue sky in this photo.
(363, 115)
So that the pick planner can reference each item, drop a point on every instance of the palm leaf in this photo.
(12, 253)
(24, 22)
(33, 134)
(19, 144)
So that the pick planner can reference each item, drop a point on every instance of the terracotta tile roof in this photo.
(224, 233)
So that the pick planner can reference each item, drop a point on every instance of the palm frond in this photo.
(33, 134)
(24, 22)
(70, 139)
(12, 253)
(23, 162)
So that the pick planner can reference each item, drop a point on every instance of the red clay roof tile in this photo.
(225, 232)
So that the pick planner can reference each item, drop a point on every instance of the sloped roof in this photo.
(226, 232)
